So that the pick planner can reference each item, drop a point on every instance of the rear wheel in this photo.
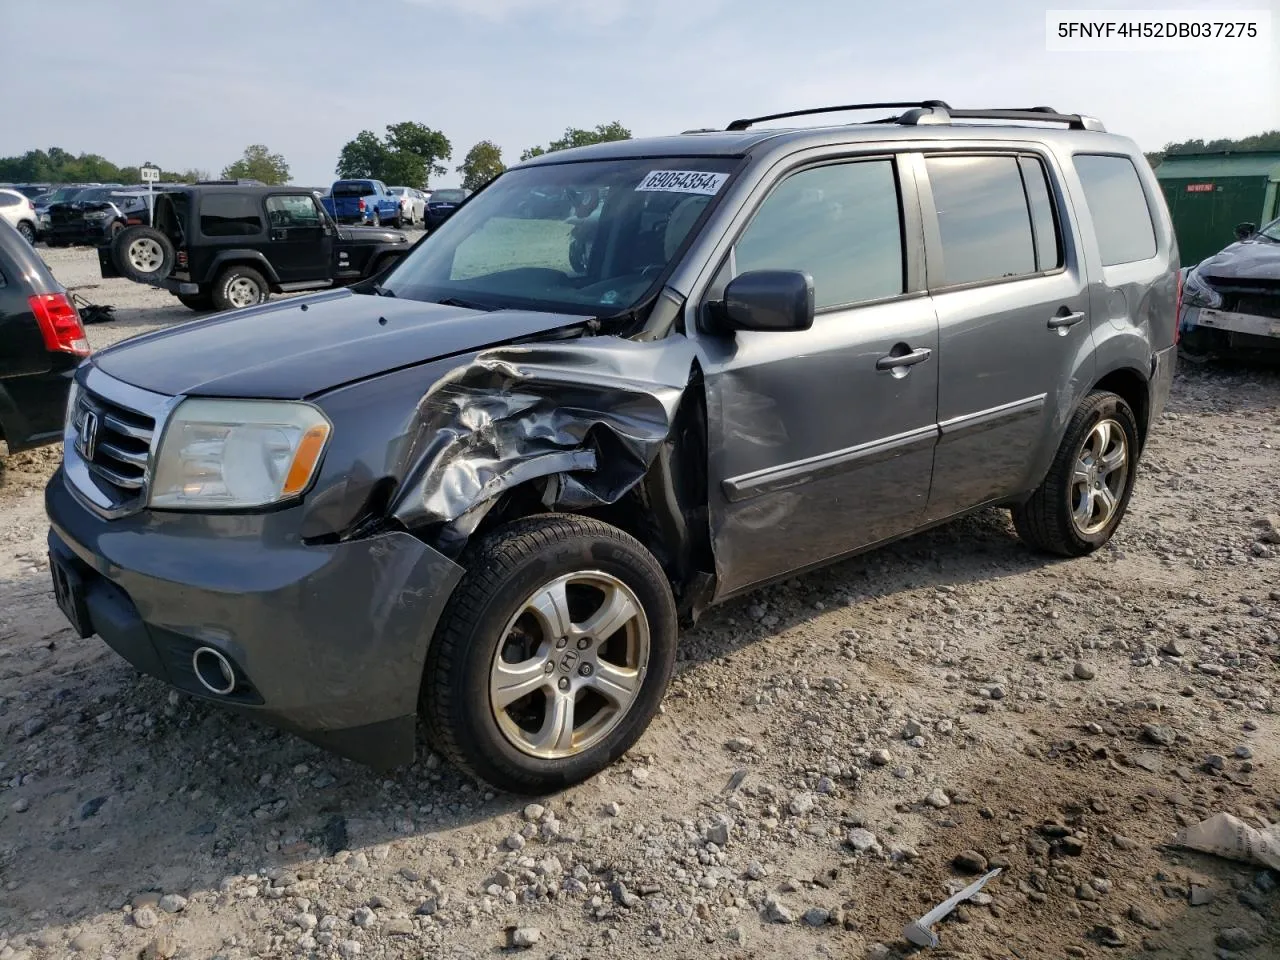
(1085, 494)
(238, 287)
(398, 222)
(375, 220)
(142, 253)
(28, 231)
(553, 654)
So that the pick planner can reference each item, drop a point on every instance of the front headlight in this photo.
(237, 453)
(69, 418)
(96, 215)
(1197, 293)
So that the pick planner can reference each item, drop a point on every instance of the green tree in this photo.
(365, 156)
(258, 163)
(576, 137)
(431, 147)
(1268, 140)
(482, 163)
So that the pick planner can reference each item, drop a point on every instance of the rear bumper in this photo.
(327, 641)
(1164, 363)
(32, 407)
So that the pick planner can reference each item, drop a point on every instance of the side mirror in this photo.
(766, 300)
(1245, 230)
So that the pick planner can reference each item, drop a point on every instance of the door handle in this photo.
(279, 233)
(908, 358)
(1064, 320)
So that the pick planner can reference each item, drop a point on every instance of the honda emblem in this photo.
(89, 435)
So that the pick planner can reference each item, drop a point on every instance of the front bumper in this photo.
(327, 641)
(78, 231)
(1252, 325)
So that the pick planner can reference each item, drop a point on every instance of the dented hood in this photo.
(298, 348)
(1244, 260)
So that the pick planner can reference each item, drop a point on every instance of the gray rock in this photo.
(911, 730)
(525, 937)
(91, 807)
(970, 861)
(776, 912)
(514, 842)
(938, 799)
(1244, 753)
(996, 691)
(740, 744)
(1109, 936)
(878, 951)
(917, 742)
(826, 785)
(756, 870)
(172, 903)
(1215, 762)
(348, 949)
(612, 809)
(1236, 938)
(718, 833)
(881, 758)
(33, 725)
(801, 804)
(305, 921)
(1158, 734)
(21, 805)
(534, 811)
(1265, 881)
(1084, 671)
(363, 917)
(817, 917)
(1174, 647)
(861, 839)
(1071, 846)
(398, 927)
(145, 918)
(87, 941)
(1201, 896)
(1142, 918)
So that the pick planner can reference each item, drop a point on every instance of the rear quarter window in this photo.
(230, 216)
(1118, 208)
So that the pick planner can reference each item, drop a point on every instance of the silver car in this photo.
(413, 204)
(20, 213)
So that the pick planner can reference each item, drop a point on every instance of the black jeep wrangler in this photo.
(228, 246)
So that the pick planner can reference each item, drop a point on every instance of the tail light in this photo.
(59, 324)
(1177, 311)
(181, 260)
(361, 204)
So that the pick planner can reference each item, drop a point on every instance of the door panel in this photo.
(816, 451)
(1012, 349)
(818, 445)
(301, 247)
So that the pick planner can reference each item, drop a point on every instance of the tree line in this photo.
(57, 165)
(411, 153)
(1270, 140)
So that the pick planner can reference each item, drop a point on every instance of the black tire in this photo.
(398, 222)
(1201, 345)
(116, 228)
(375, 220)
(196, 301)
(504, 569)
(231, 285)
(1045, 521)
(143, 254)
(28, 231)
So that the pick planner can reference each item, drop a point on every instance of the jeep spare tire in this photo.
(143, 254)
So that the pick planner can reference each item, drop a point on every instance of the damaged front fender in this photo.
(591, 414)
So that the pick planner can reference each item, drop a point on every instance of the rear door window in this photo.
(840, 223)
(1044, 226)
(983, 218)
(1118, 208)
(230, 215)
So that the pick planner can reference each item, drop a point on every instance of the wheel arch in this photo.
(1132, 386)
(244, 258)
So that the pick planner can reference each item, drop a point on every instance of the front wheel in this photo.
(28, 231)
(1085, 494)
(238, 287)
(553, 654)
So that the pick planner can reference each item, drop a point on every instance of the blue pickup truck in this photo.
(362, 201)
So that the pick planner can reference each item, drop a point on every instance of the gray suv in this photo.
(621, 383)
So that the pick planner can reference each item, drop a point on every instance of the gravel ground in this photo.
(837, 754)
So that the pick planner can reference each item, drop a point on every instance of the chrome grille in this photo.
(108, 442)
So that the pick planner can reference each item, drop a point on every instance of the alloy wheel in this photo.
(145, 255)
(570, 665)
(243, 292)
(1099, 478)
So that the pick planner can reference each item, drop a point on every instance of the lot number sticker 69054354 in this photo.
(683, 181)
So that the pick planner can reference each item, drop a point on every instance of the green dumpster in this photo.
(1209, 193)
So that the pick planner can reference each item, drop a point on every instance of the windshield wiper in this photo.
(465, 304)
(382, 291)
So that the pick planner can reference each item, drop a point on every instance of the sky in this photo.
(193, 84)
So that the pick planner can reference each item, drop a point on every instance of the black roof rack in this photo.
(939, 111)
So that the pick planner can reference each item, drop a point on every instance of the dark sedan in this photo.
(41, 343)
(441, 204)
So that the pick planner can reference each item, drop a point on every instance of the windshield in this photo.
(588, 238)
(1271, 231)
(396, 190)
(448, 196)
(63, 194)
